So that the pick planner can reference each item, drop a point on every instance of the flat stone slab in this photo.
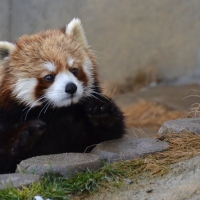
(66, 164)
(180, 125)
(129, 148)
(17, 180)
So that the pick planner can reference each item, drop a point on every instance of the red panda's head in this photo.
(54, 66)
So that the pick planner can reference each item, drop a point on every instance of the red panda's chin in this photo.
(65, 102)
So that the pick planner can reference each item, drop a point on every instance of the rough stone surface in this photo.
(124, 149)
(183, 182)
(67, 164)
(17, 180)
(180, 125)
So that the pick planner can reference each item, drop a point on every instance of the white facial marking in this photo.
(70, 62)
(50, 66)
(88, 69)
(56, 92)
(24, 90)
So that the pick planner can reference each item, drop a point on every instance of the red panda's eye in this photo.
(49, 78)
(74, 71)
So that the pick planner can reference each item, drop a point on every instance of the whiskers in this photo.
(102, 95)
(45, 107)
(87, 94)
(33, 105)
(44, 103)
(96, 95)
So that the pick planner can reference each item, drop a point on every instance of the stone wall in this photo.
(127, 35)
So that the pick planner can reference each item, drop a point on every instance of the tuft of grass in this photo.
(182, 146)
(51, 186)
(58, 187)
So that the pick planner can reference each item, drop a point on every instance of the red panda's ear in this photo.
(75, 29)
(6, 48)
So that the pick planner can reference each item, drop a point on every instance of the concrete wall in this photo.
(126, 35)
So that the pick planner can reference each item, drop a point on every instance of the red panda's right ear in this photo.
(6, 48)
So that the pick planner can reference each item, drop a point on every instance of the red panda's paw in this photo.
(102, 111)
(28, 136)
(99, 108)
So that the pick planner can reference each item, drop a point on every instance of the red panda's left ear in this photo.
(75, 29)
(6, 48)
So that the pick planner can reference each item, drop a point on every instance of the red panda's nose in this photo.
(70, 88)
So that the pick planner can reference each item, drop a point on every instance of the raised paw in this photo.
(102, 111)
(100, 108)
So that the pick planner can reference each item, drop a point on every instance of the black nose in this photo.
(70, 88)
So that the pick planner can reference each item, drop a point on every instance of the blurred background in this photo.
(138, 43)
(157, 37)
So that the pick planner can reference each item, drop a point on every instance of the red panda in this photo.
(50, 97)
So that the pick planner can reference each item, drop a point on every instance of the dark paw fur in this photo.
(101, 108)
(102, 111)
(28, 135)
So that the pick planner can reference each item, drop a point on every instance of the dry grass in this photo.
(194, 110)
(182, 147)
(148, 113)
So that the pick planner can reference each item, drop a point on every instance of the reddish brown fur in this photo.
(33, 51)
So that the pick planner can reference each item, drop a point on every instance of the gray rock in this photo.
(130, 148)
(180, 125)
(66, 164)
(17, 180)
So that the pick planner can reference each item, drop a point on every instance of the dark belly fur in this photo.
(68, 129)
